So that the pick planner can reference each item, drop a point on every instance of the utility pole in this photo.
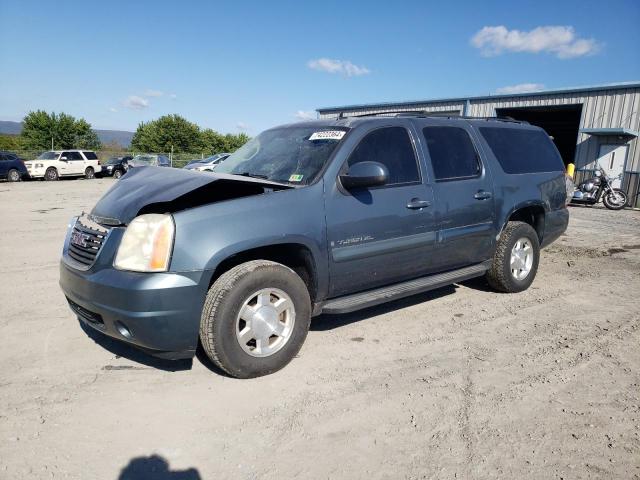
(52, 143)
(172, 155)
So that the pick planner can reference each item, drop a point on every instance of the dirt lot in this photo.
(458, 383)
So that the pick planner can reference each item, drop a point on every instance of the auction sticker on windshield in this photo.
(328, 135)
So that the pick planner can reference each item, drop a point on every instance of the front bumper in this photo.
(156, 312)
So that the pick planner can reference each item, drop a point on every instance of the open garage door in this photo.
(560, 122)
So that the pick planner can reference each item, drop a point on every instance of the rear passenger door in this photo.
(463, 191)
(75, 163)
(380, 235)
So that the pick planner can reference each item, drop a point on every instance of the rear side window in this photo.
(391, 147)
(523, 150)
(452, 153)
(73, 155)
(90, 155)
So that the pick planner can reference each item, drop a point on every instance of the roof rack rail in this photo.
(426, 114)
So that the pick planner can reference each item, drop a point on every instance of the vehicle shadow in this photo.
(157, 468)
(121, 349)
(326, 322)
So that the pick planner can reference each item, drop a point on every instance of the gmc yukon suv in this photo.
(327, 216)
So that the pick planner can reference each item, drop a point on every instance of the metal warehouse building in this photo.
(591, 124)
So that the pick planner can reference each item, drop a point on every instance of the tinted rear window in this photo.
(523, 151)
(90, 155)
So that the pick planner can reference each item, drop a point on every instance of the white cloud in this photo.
(153, 93)
(305, 115)
(136, 103)
(561, 41)
(521, 88)
(343, 67)
(173, 96)
(113, 109)
(242, 126)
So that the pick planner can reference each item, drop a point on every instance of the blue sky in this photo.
(246, 66)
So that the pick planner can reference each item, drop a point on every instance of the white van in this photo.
(64, 163)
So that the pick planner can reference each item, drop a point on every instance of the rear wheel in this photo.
(89, 173)
(255, 318)
(117, 174)
(615, 199)
(13, 175)
(515, 261)
(51, 174)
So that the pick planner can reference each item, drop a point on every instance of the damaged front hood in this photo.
(166, 190)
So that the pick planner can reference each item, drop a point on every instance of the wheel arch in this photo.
(294, 254)
(532, 213)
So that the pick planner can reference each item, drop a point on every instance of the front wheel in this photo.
(13, 175)
(117, 174)
(515, 261)
(51, 174)
(615, 199)
(89, 173)
(255, 318)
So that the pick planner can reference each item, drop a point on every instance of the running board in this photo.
(357, 301)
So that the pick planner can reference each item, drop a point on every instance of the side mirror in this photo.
(63, 159)
(365, 174)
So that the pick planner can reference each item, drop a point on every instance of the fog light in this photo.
(124, 331)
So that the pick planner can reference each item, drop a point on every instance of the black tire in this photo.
(611, 205)
(13, 175)
(117, 174)
(51, 174)
(89, 173)
(500, 276)
(222, 307)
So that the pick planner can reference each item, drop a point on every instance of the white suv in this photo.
(64, 163)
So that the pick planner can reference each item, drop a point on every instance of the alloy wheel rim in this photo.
(14, 176)
(521, 260)
(265, 322)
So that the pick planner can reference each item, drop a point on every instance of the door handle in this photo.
(482, 195)
(417, 204)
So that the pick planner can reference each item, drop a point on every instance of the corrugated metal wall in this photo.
(606, 108)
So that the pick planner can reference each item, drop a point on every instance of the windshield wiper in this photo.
(252, 175)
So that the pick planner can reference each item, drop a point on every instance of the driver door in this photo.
(385, 234)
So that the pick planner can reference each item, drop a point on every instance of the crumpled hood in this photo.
(165, 189)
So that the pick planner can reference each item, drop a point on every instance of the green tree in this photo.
(165, 133)
(85, 136)
(10, 142)
(40, 128)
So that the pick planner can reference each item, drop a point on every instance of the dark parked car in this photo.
(116, 166)
(325, 216)
(12, 168)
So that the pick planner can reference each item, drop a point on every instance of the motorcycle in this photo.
(598, 188)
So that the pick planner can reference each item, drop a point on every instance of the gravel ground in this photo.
(457, 383)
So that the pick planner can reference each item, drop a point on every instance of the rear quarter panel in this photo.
(516, 191)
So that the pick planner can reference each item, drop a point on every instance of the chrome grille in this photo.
(86, 241)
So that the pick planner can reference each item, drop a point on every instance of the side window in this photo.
(452, 153)
(390, 146)
(523, 150)
(90, 155)
(74, 156)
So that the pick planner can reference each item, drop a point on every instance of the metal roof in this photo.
(594, 88)
(610, 131)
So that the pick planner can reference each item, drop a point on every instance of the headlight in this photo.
(39, 165)
(146, 244)
(110, 167)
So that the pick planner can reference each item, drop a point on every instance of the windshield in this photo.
(113, 161)
(48, 156)
(286, 155)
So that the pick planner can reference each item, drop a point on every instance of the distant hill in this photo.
(106, 136)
